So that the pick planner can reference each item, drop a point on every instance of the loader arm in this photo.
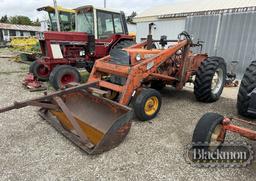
(137, 72)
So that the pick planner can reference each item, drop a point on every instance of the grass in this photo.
(84, 76)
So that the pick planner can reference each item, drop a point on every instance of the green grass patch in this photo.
(84, 76)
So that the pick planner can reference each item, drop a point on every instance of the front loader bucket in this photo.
(94, 124)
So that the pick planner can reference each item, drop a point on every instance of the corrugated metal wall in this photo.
(231, 36)
(170, 27)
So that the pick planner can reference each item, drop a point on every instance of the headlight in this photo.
(138, 57)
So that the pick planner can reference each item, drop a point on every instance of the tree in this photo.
(130, 18)
(36, 23)
(4, 19)
(21, 20)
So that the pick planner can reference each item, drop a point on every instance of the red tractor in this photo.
(98, 31)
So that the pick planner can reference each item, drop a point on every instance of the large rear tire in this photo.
(248, 84)
(147, 104)
(63, 75)
(40, 71)
(210, 79)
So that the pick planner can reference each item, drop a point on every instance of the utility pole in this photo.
(57, 14)
(105, 3)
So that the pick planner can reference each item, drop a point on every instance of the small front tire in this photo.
(147, 104)
(208, 131)
(40, 71)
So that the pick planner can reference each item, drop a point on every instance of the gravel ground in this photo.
(30, 149)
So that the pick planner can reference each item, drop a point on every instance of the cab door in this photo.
(109, 24)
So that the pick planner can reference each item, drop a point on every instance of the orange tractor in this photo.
(135, 74)
(96, 117)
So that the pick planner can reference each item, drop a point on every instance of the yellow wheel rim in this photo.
(151, 106)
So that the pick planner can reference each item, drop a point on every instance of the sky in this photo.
(28, 7)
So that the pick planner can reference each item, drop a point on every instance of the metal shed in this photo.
(227, 27)
(12, 30)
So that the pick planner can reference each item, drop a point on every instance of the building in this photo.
(12, 30)
(226, 26)
(132, 28)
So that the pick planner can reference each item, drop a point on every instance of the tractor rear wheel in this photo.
(63, 75)
(248, 84)
(147, 104)
(208, 130)
(40, 71)
(210, 79)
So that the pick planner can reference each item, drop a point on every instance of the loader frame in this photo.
(139, 73)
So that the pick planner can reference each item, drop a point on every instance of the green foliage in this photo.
(20, 20)
(4, 19)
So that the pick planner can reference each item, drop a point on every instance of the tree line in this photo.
(20, 20)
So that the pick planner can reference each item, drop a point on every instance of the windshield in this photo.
(66, 21)
(85, 22)
(53, 21)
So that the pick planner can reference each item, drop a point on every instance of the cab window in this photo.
(118, 24)
(105, 24)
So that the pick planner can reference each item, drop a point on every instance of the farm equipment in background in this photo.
(24, 44)
(212, 127)
(95, 115)
(98, 31)
(31, 83)
(66, 17)
(231, 80)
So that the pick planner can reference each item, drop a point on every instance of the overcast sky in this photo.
(28, 7)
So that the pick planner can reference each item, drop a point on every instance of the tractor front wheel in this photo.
(248, 84)
(63, 75)
(210, 79)
(40, 71)
(209, 131)
(147, 104)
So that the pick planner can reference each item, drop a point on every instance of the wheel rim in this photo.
(151, 106)
(43, 71)
(214, 142)
(217, 81)
(67, 78)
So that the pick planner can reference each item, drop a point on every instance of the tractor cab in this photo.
(66, 17)
(102, 23)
